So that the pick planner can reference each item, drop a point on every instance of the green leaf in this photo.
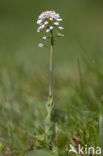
(41, 152)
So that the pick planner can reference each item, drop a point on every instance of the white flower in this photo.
(46, 22)
(47, 30)
(41, 45)
(59, 19)
(41, 28)
(56, 23)
(51, 19)
(38, 30)
(48, 19)
(51, 27)
(39, 21)
(60, 35)
(44, 38)
(61, 28)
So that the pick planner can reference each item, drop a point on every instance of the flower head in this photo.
(49, 21)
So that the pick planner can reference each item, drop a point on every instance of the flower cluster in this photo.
(48, 21)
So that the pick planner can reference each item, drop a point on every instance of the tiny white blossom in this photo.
(41, 28)
(51, 27)
(60, 35)
(59, 19)
(38, 30)
(57, 15)
(46, 22)
(41, 45)
(39, 21)
(56, 23)
(51, 19)
(44, 38)
(47, 30)
(61, 28)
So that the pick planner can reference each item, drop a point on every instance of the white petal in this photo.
(57, 15)
(59, 19)
(56, 23)
(51, 19)
(42, 26)
(46, 22)
(51, 27)
(38, 30)
(60, 35)
(44, 38)
(41, 45)
(39, 21)
(61, 28)
(47, 30)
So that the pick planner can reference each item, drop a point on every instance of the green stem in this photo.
(49, 105)
(51, 70)
(51, 67)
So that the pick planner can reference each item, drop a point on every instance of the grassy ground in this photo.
(78, 108)
(78, 80)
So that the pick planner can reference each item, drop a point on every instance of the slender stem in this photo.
(51, 67)
(50, 76)
(50, 103)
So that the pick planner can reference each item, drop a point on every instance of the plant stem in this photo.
(51, 67)
(51, 70)
(49, 105)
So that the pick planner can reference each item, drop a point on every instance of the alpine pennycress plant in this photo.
(48, 21)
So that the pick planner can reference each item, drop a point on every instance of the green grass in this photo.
(78, 107)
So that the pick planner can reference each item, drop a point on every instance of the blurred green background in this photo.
(82, 20)
(24, 70)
